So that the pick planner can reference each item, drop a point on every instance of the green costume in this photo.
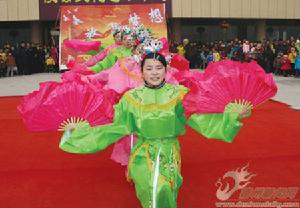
(112, 58)
(156, 116)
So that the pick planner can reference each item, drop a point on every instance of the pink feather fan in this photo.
(66, 105)
(82, 46)
(244, 84)
(31, 101)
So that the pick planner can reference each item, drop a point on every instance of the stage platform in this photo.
(35, 173)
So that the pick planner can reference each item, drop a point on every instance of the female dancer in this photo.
(154, 112)
(116, 53)
(102, 54)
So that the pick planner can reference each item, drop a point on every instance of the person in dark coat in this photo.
(21, 58)
(29, 59)
(35, 59)
(41, 59)
(191, 54)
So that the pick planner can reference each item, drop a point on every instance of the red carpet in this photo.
(36, 174)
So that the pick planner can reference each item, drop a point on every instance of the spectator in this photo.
(268, 59)
(216, 55)
(297, 65)
(198, 63)
(223, 52)
(40, 59)
(11, 65)
(181, 50)
(210, 57)
(54, 54)
(35, 59)
(297, 45)
(246, 47)
(29, 63)
(173, 47)
(285, 65)
(22, 58)
(2, 54)
(2, 63)
(203, 58)
(50, 64)
(292, 56)
(191, 54)
(277, 64)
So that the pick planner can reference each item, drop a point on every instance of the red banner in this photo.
(90, 23)
(49, 9)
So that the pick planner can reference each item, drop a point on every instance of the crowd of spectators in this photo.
(27, 58)
(278, 57)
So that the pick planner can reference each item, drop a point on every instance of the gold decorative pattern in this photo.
(132, 157)
(153, 107)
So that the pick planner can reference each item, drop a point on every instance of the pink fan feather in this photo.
(228, 67)
(69, 103)
(80, 68)
(230, 82)
(31, 101)
(165, 45)
(188, 78)
(76, 71)
(179, 62)
(82, 46)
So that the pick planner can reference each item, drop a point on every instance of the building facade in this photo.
(204, 20)
(226, 19)
(19, 21)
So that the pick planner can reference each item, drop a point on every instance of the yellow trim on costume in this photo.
(132, 157)
(148, 157)
(177, 157)
(152, 107)
(85, 57)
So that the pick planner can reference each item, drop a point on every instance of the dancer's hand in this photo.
(71, 124)
(71, 127)
(244, 110)
(244, 113)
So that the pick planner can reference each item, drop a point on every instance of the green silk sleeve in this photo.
(218, 126)
(86, 139)
(106, 63)
(112, 58)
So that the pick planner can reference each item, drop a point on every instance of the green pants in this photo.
(154, 167)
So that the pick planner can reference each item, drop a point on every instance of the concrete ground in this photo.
(288, 87)
(22, 85)
(288, 91)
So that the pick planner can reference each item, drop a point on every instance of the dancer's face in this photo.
(154, 72)
(118, 38)
(127, 41)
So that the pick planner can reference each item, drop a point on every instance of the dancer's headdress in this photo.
(115, 28)
(157, 46)
(142, 33)
(126, 30)
(152, 46)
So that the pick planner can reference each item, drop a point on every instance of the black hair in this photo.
(123, 35)
(116, 33)
(156, 56)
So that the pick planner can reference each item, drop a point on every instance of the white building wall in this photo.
(256, 9)
(19, 10)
